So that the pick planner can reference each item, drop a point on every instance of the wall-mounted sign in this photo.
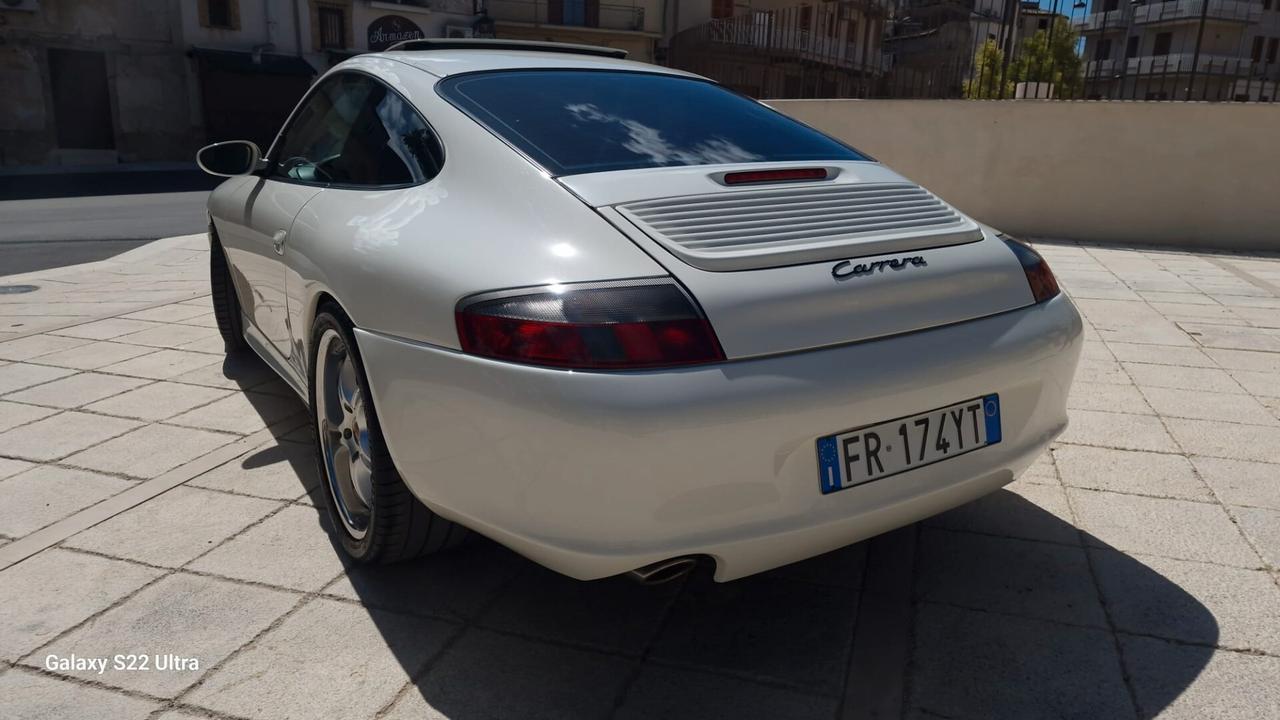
(391, 29)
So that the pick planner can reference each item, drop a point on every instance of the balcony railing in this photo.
(537, 12)
(1185, 10)
(1168, 64)
(777, 33)
(1117, 19)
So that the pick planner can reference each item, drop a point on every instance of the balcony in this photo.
(628, 17)
(1168, 65)
(1117, 19)
(1246, 11)
(764, 33)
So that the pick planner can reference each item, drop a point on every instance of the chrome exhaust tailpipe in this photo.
(664, 571)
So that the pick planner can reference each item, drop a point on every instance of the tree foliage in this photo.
(985, 80)
(1053, 60)
(1047, 56)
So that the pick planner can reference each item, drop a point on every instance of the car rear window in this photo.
(584, 121)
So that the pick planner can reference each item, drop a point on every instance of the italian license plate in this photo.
(877, 451)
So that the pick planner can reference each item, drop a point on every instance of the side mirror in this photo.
(230, 158)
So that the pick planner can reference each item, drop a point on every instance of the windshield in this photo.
(584, 121)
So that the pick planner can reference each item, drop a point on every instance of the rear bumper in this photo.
(593, 474)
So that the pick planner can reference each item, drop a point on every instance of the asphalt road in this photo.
(53, 232)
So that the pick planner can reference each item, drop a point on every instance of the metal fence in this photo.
(1215, 50)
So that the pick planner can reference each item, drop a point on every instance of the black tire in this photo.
(226, 305)
(399, 527)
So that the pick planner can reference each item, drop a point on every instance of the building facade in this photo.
(778, 49)
(1182, 49)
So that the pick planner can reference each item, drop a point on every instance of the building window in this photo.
(1103, 51)
(1131, 49)
(833, 23)
(221, 14)
(1258, 42)
(1042, 24)
(721, 8)
(806, 17)
(1110, 5)
(1163, 42)
(1271, 50)
(333, 28)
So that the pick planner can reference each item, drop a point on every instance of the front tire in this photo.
(376, 518)
(226, 306)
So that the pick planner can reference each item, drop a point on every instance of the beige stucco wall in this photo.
(1176, 173)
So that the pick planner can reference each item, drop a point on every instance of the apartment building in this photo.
(784, 49)
(1182, 49)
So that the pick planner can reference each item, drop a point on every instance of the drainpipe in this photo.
(297, 28)
(1195, 59)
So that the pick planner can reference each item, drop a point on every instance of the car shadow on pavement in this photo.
(996, 609)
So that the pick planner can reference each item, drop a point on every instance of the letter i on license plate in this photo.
(877, 451)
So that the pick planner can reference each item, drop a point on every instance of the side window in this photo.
(353, 130)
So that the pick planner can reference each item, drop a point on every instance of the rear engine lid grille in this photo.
(747, 229)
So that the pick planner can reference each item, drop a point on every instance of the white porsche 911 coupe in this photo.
(622, 319)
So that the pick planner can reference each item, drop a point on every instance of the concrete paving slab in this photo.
(343, 661)
(54, 591)
(1108, 398)
(243, 413)
(486, 674)
(16, 376)
(106, 329)
(157, 401)
(1160, 354)
(1184, 378)
(976, 664)
(1032, 579)
(163, 364)
(788, 632)
(174, 528)
(457, 585)
(170, 335)
(1034, 512)
(660, 692)
(1122, 431)
(1208, 405)
(60, 435)
(1160, 526)
(48, 493)
(1190, 682)
(150, 450)
(170, 313)
(1239, 482)
(9, 468)
(1129, 471)
(192, 617)
(1262, 527)
(14, 415)
(1262, 384)
(77, 390)
(1245, 359)
(290, 549)
(1217, 606)
(277, 470)
(31, 696)
(608, 615)
(34, 346)
(1227, 440)
(94, 355)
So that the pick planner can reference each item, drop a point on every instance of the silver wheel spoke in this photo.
(344, 442)
(362, 479)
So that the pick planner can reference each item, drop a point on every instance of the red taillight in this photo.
(761, 176)
(625, 325)
(1044, 285)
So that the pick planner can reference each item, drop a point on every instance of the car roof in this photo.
(446, 62)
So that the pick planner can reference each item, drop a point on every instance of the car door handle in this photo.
(277, 241)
